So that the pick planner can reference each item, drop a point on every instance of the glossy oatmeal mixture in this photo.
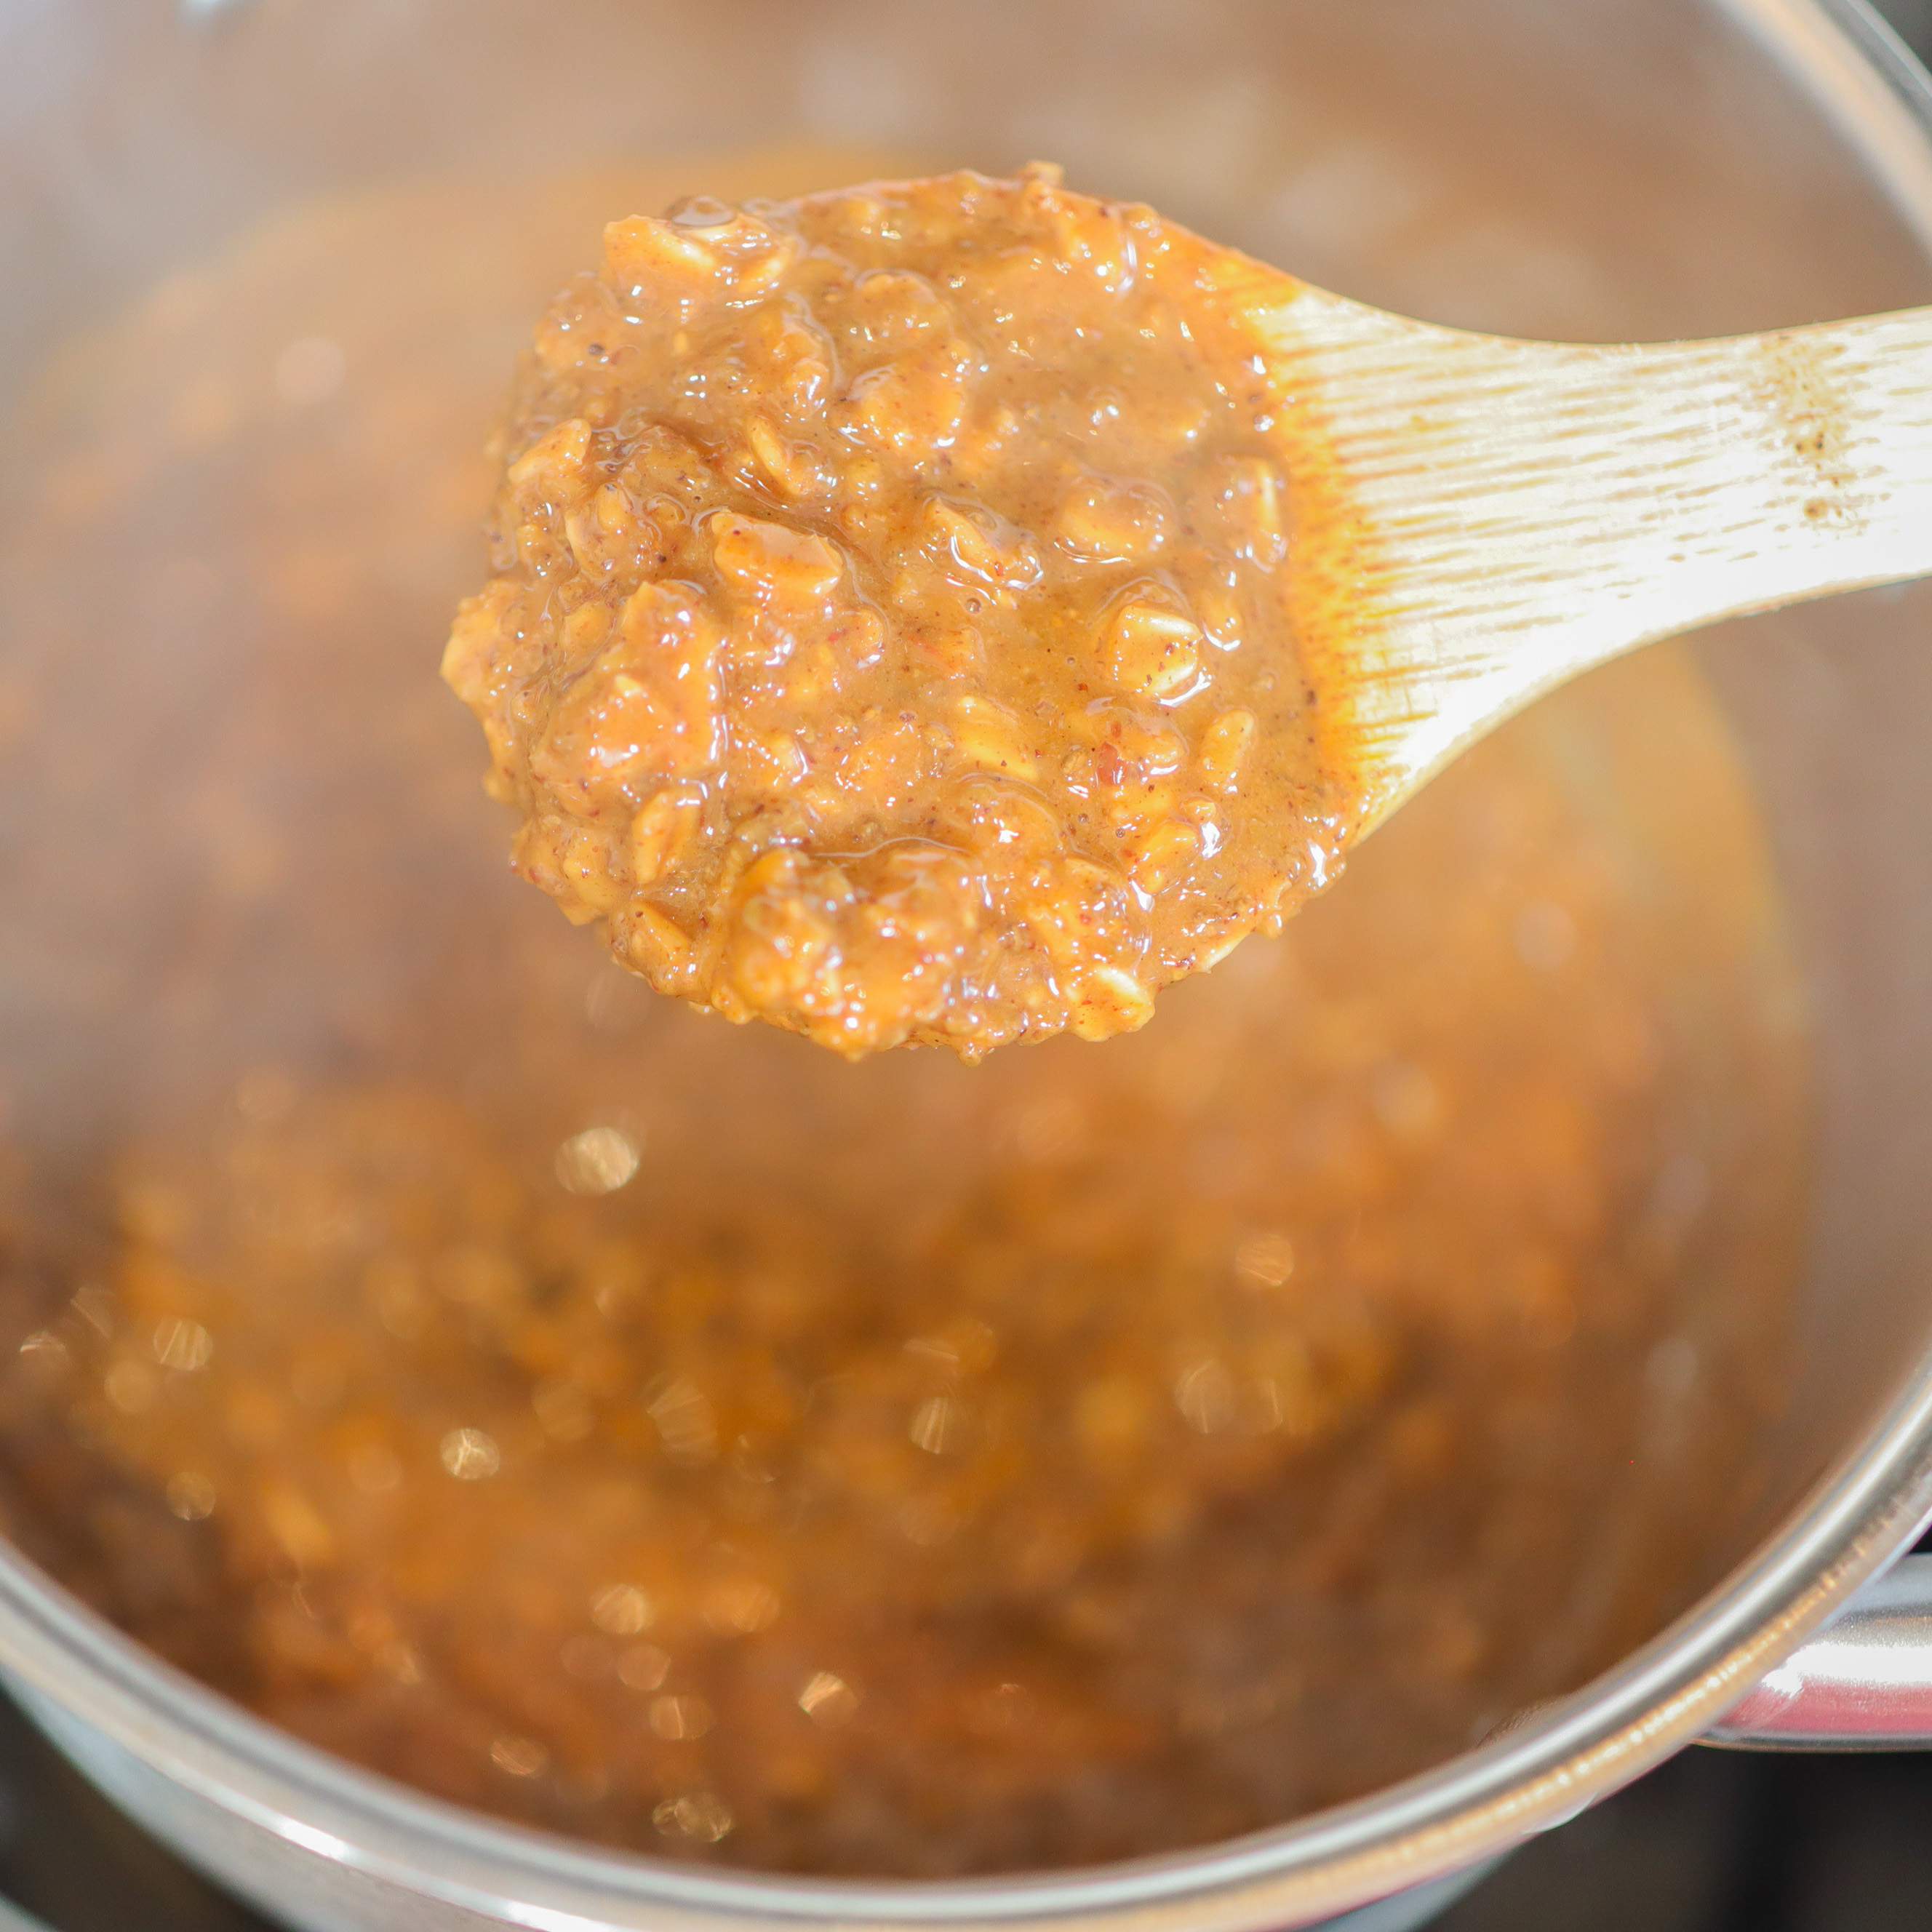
(672, 1435)
(890, 639)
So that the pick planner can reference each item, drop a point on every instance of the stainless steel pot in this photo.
(1607, 168)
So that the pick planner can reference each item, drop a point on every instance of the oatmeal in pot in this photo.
(670, 1435)
(890, 639)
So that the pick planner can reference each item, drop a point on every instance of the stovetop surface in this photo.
(1712, 1841)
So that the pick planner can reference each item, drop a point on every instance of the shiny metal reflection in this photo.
(1865, 1683)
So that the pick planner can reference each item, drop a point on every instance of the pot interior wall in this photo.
(1610, 168)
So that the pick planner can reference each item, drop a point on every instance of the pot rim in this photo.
(1545, 1766)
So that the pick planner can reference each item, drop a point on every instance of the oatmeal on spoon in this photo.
(946, 611)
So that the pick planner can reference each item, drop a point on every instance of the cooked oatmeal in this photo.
(670, 1434)
(890, 639)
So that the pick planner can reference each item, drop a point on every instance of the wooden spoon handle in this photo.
(1528, 509)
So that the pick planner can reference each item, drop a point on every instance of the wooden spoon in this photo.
(978, 689)
(1509, 513)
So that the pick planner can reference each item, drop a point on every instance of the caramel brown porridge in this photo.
(900, 1467)
(889, 640)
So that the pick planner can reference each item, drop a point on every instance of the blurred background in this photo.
(1913, 19)
(1713, 1841)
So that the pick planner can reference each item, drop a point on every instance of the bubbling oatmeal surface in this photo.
(889, 639)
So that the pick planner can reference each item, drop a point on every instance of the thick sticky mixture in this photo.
(669, 1434)
(889, 640)
(714, 1448)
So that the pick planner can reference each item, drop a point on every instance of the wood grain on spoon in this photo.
(949, 611)
(1496, 516)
